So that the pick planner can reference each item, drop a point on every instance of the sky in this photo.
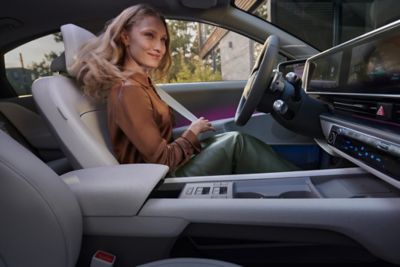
(32, 52)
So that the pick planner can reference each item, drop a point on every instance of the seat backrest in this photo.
(41, 222)
(79, 122)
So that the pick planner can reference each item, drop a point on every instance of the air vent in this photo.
(387, 111)
(361, 107)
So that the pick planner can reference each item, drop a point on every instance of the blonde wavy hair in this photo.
(99, 64)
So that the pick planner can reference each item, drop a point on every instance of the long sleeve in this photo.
(146, 122)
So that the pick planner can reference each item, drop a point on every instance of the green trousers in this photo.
(233, 153)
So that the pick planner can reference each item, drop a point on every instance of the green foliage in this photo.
(262, 11)
(184, 47)
(199, 73)
(42, 68)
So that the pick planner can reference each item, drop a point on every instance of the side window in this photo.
(31, 60)
(202, 52)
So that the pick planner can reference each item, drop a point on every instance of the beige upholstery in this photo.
(78, 122)
(41, 222)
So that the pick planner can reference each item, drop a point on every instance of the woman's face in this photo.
(146, 42)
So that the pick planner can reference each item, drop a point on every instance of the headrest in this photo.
(74, 38)
(58, 64)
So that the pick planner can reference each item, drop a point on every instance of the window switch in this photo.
(215, 191)
(206, 190)
(199, 190)
(223, 190)
(189, 191)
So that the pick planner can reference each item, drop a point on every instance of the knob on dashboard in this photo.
(332, 137)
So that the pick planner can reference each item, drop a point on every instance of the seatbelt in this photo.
(175, 104)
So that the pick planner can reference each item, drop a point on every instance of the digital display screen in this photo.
(296, 66)
(370, 65)
(325, 72)
(375, 64)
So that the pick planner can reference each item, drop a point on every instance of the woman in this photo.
(118, 65)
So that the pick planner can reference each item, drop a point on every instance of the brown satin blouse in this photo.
(140, 126)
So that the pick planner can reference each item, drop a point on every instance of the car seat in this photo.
(41, 222)
(79, 123)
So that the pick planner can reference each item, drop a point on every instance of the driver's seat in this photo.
(79, 123)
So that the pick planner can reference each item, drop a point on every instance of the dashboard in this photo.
(360, 82)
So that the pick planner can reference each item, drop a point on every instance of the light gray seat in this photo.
(78, 122)
(41, 221)
(28, 128)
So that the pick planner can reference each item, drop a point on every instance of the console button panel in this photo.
(207, 190)
(379, 154)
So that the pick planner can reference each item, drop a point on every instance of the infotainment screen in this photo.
(369, 65)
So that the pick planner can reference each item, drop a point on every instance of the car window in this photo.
(200, 53)
(31, 60)
(203, 52)
(323, 23)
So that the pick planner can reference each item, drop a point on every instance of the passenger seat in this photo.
(41, 221)
(29, 129)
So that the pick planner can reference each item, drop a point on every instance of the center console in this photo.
(318, 184)
(318, 208)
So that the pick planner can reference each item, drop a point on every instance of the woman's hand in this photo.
(201, 125)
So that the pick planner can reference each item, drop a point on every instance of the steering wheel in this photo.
(259, 80)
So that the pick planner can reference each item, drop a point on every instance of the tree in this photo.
(43, 67)
(186, 65)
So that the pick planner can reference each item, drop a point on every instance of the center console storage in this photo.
(338, 183)
(135, 200)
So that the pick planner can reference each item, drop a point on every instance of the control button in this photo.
(215, 191)
(383, 146)
(332, 137)
(189, 191)
(199, 190)
(223, 190)
(206, 190)
(384, 110)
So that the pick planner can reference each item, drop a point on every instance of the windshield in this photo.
(323, 23)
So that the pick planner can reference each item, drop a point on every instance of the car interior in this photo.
(336, 113)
